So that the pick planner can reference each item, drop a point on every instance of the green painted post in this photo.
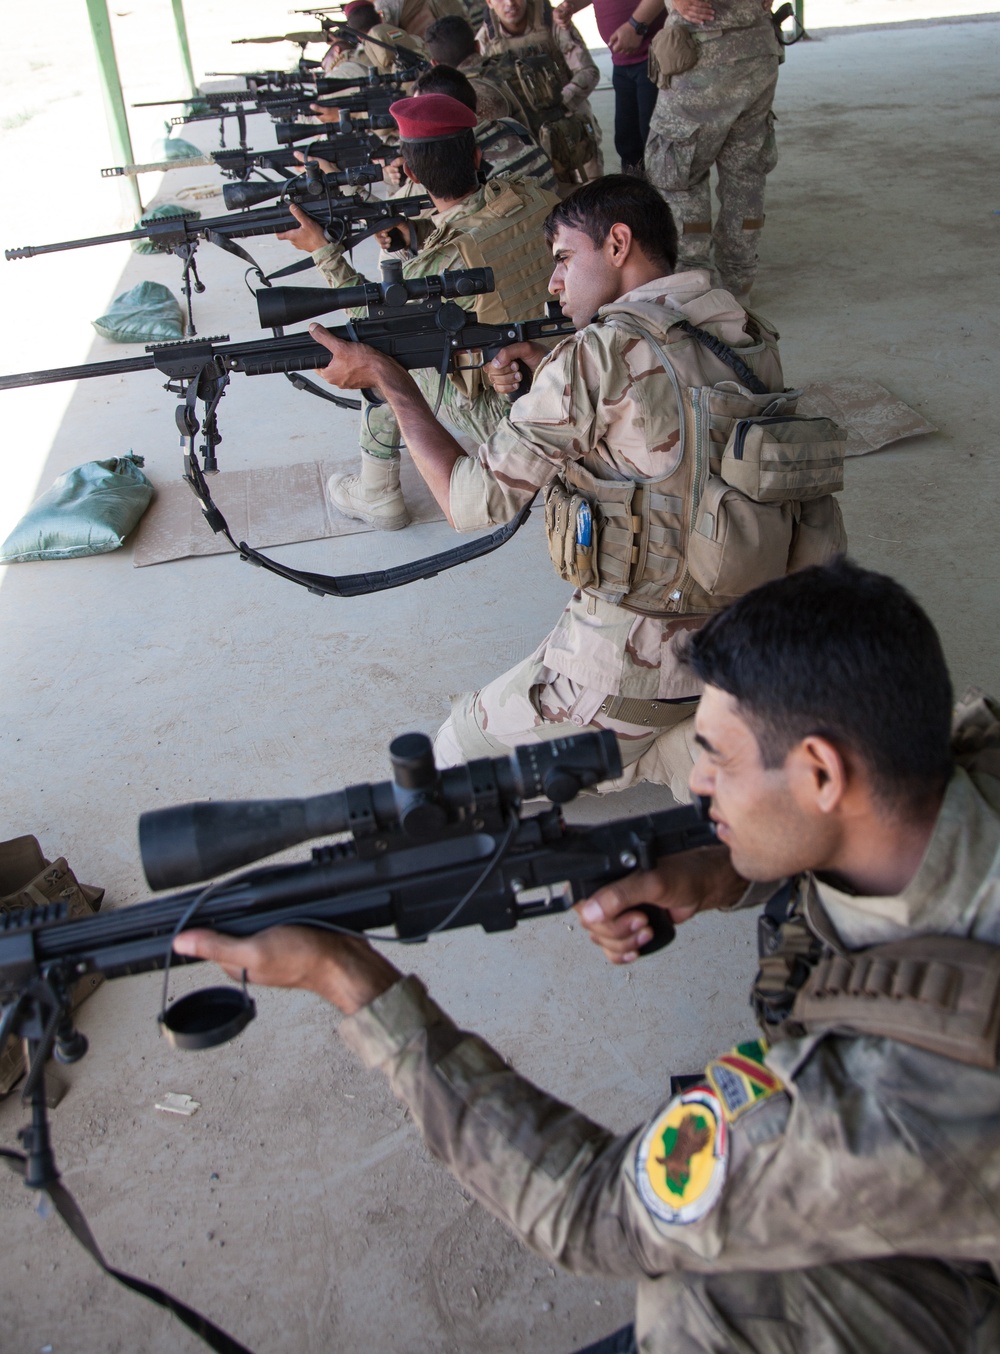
(182, 38)
(111, 88)
(800, 14)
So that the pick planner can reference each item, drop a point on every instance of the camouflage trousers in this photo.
(716, 115)
(470, 419)
(860, 1307)
(532, 703)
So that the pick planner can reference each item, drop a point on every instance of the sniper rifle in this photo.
(414, 320)
(346, 220)
(345, 151)
(262, 86)
(426, 852)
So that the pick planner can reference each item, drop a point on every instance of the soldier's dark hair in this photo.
(446, 168)
(845, 654)
(450, 40)
(444, 80)
(363, 18)
(619, 198)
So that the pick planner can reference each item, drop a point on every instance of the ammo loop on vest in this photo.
(939, 993)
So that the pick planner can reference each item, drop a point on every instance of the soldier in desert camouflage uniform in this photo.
(606, 400)
(523, 28)
(497, 225)
(833, 1186)
(718, 113)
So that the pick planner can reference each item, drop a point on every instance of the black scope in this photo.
(280, 306)
(193, 842)
(288, 133)
(311, 184)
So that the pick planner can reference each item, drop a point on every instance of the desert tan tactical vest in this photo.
(750, 498)
(505, 234)
(532, 66)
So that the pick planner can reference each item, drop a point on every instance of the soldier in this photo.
(832, 1187)
(451, 41)
(551, 72)
(496, 225)
(412, 16)
(393, 40)
(718, 113)
(617, 429)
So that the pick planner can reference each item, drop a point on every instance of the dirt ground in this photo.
(298, 1207)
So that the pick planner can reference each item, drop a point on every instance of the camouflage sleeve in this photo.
(859, 1153)
(555, 422)
(391, 11)
(584, 72)
(337, 271)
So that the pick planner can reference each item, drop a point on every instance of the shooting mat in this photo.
(268, 506)
(279, 505)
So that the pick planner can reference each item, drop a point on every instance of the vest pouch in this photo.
(569, 142)
(818, 535)
(737, 543)
(784, 456)
(672, 52)
(572, 536)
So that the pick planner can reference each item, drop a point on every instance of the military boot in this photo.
(374, 496)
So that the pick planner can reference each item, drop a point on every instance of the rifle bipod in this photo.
(209, 386)
(43, 1018)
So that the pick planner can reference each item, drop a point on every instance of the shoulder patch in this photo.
(680, 1164)
(741, 1080)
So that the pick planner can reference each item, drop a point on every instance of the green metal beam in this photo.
(111, 88)
(182, 38)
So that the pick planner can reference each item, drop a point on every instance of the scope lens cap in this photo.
(560, 786)
(207, 1018)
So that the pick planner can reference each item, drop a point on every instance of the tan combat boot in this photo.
(373, 496)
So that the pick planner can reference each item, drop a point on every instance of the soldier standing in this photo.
(833, 1186)
(718, 113)
(496, 225)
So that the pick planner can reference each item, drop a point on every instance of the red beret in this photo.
(431, 117)
(353, 4)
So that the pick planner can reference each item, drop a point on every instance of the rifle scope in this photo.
(280, 306)
(287, 133)
(311, 183)
(192, 842)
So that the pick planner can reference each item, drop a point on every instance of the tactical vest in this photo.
(749, 498)
(505, 234)
(939, 993)
(532, 66)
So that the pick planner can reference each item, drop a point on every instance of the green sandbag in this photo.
(88, 511)
(174, 148)
(149, 313)
(164, 213)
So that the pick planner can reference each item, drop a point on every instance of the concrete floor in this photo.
(297, 1207)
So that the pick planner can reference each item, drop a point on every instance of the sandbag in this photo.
(174, 148)
(88, 511)
(163, 213)
(149, 313)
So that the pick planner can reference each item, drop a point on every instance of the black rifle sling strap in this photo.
(725, 354)
(354, 585)
(69, 1210)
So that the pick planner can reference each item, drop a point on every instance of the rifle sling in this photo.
(69, 1210)
(354, 585)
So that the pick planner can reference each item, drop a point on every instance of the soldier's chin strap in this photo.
(352, 585)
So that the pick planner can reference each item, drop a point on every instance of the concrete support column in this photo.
(182, 39)
(111, 88)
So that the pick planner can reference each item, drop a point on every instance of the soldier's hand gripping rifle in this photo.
(346, 220)
(413, 320)
(426, 852)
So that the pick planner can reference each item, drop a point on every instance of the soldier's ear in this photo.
(618, 244)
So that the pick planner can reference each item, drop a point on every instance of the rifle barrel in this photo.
(116, 367)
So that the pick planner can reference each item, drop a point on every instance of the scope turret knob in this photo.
(412, 757)
(559, 785)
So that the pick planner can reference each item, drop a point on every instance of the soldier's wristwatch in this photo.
(641, 28)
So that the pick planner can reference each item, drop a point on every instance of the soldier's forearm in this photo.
(332, 263)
